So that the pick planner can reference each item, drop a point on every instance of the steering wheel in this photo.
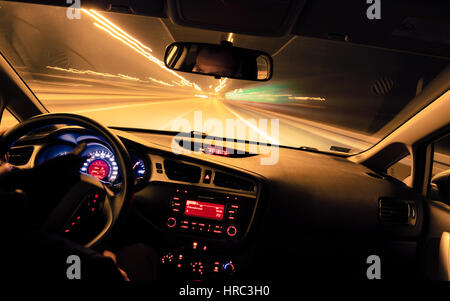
(110, 203)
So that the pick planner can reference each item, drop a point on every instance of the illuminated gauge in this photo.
(139, 169)
(102, 165)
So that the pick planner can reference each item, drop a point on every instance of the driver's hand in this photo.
(111, 255)
(45, 184)
(5, 167)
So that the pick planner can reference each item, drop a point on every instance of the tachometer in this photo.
(102, 165)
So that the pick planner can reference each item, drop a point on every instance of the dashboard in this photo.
(211, 216)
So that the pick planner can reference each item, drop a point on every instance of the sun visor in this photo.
(256, 17)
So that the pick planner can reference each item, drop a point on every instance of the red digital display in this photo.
(214, 150)
(204, 210)
(99, 169)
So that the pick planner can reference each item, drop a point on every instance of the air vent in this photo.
(382, 86)
(229, 181)
(396, 211)
(182, 172)
(20, 155)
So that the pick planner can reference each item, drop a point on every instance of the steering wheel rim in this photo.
(124, 196)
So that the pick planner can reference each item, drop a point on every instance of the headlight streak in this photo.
(116, 29)
(270, 94)
(160, 82)
(307, 98)
(95, 73)
(222, 83)
(178, 84)
(116, 32)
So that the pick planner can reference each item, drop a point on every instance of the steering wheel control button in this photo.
(231, 231)
(171, 222)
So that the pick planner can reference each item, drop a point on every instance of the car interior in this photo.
(211, 208)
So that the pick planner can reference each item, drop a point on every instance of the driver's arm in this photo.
(49, 252)
(4, 165)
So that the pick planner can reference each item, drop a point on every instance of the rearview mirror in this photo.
(222, 60)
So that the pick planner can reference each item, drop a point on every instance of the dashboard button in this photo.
(171, 222)
(231, 231)
(207, 176)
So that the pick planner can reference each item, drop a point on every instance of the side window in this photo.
(440, 173)
(401, 170)
(7, 120)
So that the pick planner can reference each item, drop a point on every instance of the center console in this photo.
(209, 214)
(201, 229)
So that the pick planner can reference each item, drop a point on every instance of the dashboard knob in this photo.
(171, 222)
(228, 267)
(231, 231)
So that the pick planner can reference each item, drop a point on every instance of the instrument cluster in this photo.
(100, 161)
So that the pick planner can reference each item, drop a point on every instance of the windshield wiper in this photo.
(308, 148)
(204, 135)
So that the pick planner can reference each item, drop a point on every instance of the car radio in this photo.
(209, 213)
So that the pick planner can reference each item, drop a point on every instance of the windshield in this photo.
(327, 95)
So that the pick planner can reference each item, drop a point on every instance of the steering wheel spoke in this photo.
(87, 200)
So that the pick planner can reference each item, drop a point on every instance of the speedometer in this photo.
(102, 165)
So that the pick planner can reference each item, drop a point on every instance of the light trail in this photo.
(116, 32)
(269, 93)
(222, 83)
(121, 32)
(178, 84)
(160, 82)
(307, 98)
(120, 107)
(230, 37)
(95, 73)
